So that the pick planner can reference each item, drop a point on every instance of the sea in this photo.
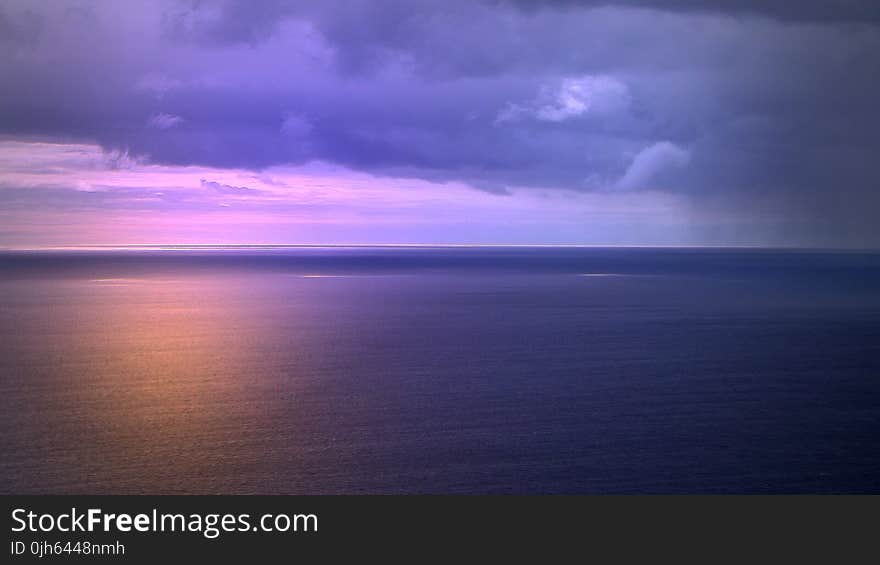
(443, 370)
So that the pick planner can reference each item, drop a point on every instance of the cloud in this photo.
(774, 102)
(157, 84)
(22, 27)
(229, 189)
(163, 121)
(785, 10)
(295, 125)
(570, 98)
(120, 160)
(651, 163)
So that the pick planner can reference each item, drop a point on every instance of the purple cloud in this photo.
(228, 189)
(163, 121)
(753, 110)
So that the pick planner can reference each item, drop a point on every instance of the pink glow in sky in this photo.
(77, 193)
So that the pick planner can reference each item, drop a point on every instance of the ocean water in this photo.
(439, 370)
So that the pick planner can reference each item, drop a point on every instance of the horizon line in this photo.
(270, 246)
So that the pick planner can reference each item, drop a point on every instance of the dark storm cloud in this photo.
(20, 27)
(395, 21)
(802, 11)
(765, 108)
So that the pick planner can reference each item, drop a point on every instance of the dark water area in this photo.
(439, 370)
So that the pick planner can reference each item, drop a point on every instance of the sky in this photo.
(628, 122)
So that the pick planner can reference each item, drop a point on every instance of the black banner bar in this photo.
(286, 529)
